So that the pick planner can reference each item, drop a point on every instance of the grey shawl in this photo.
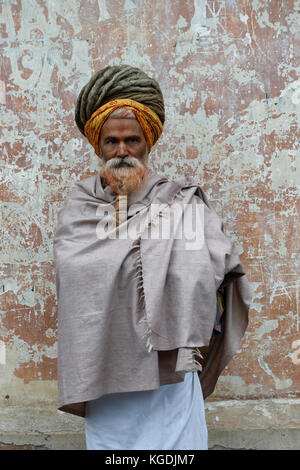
(136, 311)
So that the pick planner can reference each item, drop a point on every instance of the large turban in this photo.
(115, 87)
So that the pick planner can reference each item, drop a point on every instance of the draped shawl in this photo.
(135, 312)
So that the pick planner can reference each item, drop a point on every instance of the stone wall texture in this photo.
(230, 74)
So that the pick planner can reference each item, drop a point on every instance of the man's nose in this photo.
(122, 150)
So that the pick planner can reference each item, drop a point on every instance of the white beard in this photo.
(126, 178)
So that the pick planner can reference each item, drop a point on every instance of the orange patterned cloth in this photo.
(149, 121)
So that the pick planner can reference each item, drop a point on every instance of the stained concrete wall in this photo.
(229, 71)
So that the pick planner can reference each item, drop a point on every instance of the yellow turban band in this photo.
(149, 121)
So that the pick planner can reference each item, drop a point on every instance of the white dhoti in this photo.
(169, 418)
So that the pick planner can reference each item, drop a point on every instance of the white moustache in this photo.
(129, 161)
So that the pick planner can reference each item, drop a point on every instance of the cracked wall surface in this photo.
(229, 71)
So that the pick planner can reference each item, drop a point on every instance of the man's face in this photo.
(122, 138)
(124, 149)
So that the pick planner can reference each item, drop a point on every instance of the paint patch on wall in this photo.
(2, 92)
(2, 353)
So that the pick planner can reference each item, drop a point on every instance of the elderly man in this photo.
(148, 319)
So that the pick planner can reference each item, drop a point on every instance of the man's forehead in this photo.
(121, 125)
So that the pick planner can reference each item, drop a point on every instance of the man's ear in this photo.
(100, 154)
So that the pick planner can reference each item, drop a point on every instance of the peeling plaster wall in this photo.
(229, 71)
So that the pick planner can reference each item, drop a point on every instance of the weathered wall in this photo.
(229, 71)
